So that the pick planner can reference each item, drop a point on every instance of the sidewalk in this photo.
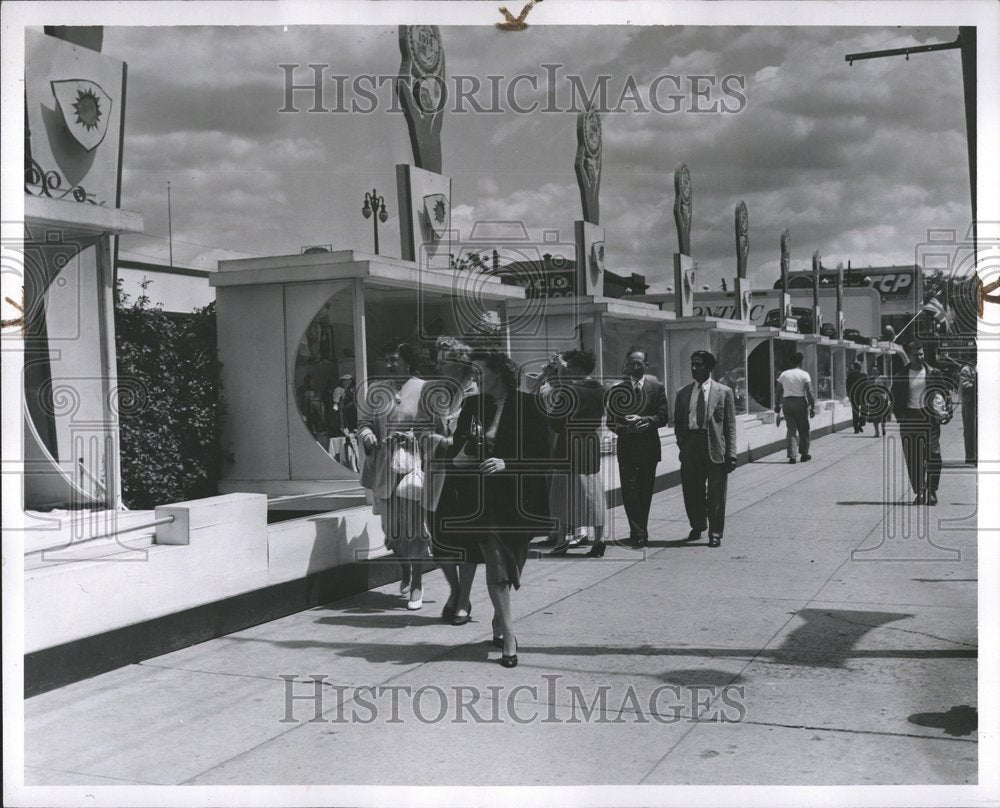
(775, 659)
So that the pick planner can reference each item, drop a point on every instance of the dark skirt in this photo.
(452, 543)
(476, 522)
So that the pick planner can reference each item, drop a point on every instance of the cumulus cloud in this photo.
(857, 161)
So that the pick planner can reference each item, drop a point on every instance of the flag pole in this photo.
(170, 227)
(915, 316)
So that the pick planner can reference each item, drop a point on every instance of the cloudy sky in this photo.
(858, 162)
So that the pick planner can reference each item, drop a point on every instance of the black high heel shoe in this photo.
(448, 613)
(597, 551)
(509, 661)
(462, 619)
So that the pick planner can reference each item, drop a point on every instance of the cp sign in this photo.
(893, 283)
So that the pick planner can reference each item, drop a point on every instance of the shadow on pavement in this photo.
(958, 721)
(835, 632)
(701, 677)
(419, 652)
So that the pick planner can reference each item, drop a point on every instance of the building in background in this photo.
(178, 290)
(900, 288)
(554, 277)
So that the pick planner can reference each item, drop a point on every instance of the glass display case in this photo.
(606, 326)
(761, 372)
(840, 366)
(730, 351)
(299, 338)
(325, 376)
(621, 334)
(725, 339)
(824, 372)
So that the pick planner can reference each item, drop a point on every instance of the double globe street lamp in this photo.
(375, 204)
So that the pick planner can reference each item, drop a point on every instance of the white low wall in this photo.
(222, 546)
(754, 434)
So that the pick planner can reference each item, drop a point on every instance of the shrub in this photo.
(169, 400)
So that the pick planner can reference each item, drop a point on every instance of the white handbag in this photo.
(404, 459)
(411, 486)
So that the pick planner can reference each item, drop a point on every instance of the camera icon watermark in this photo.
(958, 264)
(43, 283)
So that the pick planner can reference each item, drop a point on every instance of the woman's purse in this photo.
(405, 458)
(411, 486)
(471, 454)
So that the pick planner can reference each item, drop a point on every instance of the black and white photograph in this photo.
(443, 403)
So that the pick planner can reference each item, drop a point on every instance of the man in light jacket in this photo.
(705, 427)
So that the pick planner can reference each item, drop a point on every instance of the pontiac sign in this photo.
(862, 308)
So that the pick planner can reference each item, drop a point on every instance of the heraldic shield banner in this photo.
(85, 108)
(73, 100)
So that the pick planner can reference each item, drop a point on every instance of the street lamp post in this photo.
(375, 204)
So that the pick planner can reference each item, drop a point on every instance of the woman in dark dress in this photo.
(452, 549)
(576, 414)
(487, 467)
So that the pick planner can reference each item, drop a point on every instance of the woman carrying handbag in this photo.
(390, 416)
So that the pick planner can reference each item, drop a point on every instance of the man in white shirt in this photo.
(921, 403)
(705, 427)
(795, 397)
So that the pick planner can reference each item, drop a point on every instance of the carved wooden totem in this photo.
(742, 239)
(590, 146)
(682, 208)
(422, 92)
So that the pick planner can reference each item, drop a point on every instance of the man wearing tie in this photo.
(637, 408)
(705, 427)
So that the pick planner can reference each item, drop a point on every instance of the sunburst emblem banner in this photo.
(438, 214)
(86, 110)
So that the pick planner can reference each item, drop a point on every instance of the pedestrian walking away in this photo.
(705, 426)
(637, 408)
(795, 398)
(857, 386)
(878, 401)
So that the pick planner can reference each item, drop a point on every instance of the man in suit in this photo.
(921, 403)
(637, 408)
(705, 426)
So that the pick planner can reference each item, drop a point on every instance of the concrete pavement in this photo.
(830, 640)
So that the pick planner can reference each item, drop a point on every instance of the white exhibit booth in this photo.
(291, 327)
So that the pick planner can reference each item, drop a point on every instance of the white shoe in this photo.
(413, 605)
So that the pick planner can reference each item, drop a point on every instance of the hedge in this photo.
(169, 401)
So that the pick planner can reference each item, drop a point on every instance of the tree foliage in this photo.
(170, 403)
